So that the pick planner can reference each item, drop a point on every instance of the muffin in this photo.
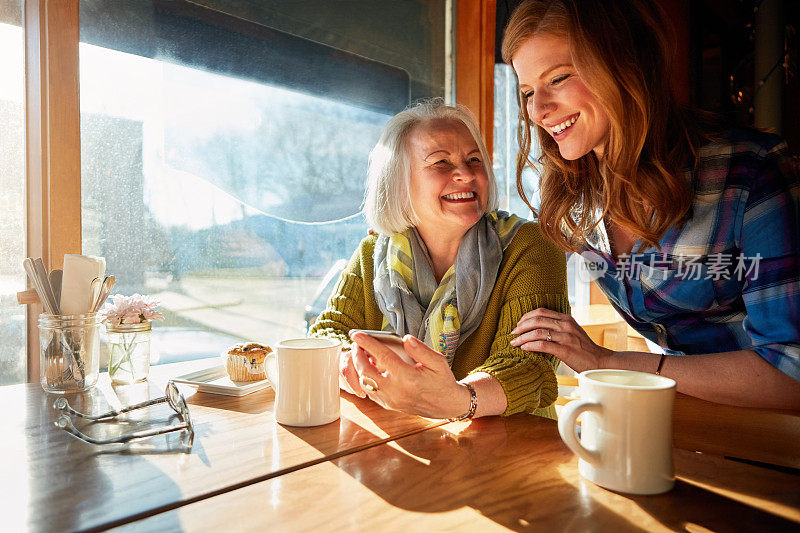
(245, 362)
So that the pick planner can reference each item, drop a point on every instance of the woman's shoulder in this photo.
(741, 142)
(528, 231)
(367, 244)
(362, 255)
(531, 241)
(366, 247)
(740, 168)
(739, 159)
(533, 264)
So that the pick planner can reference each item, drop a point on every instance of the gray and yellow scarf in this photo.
(442, 315)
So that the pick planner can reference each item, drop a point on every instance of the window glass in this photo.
(12, 200)
(224, 148)
(506, 147)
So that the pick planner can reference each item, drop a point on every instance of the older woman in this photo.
(694, 226)
(449, 273)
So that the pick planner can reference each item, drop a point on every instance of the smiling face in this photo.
(557, 98)
(449, 185)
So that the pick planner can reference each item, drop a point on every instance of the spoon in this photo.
(105, 290)
(94, 293)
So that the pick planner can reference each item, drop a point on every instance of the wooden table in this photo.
(60, 483)
(373, 470)
(495, 473)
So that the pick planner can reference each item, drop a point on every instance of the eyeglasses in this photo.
(172, 396)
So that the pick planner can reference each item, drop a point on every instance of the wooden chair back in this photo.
(603, 325)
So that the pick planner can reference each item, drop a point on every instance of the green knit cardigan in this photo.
(531, 275)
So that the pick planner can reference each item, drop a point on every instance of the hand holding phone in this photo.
(392, 341)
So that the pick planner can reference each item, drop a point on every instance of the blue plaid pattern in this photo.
(729, 279)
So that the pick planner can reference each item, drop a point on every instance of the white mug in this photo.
(305, 376)
(626, 433)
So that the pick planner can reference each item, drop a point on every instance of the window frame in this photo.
(52, 118)
(52, 140)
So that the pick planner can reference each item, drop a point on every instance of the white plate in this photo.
(216, 381)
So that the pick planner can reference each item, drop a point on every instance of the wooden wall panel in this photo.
(475, 21)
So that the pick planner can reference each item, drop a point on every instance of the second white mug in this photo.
(305, 376)
(626, 432)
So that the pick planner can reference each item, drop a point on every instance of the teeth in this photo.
(459, 195)
(558, 128)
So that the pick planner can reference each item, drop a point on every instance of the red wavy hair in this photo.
(620, 50)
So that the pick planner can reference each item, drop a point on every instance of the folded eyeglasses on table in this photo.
(172, 397)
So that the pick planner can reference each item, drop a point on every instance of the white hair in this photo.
(387, 200)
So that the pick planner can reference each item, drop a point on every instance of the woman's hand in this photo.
(349, 380)
(427, 388)
(543, 330)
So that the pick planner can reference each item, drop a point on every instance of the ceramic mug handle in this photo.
(566, 427)
(271, 369)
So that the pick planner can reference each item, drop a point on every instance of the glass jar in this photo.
(69, 352)
(129, 352)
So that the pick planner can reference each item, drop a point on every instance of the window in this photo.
(12, 200)
(506, 113)
(224, 148)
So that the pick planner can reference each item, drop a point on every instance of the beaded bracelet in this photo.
(473, 404)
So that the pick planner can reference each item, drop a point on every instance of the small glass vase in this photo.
(129, 352)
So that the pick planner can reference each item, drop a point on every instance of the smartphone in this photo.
(392, 341)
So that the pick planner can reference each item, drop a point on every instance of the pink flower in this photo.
(132, 318)
(131, 309)
(150, 314)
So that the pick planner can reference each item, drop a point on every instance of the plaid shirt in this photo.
(729, 279)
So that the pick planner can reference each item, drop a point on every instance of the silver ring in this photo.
(369, 384)
(549, 337)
